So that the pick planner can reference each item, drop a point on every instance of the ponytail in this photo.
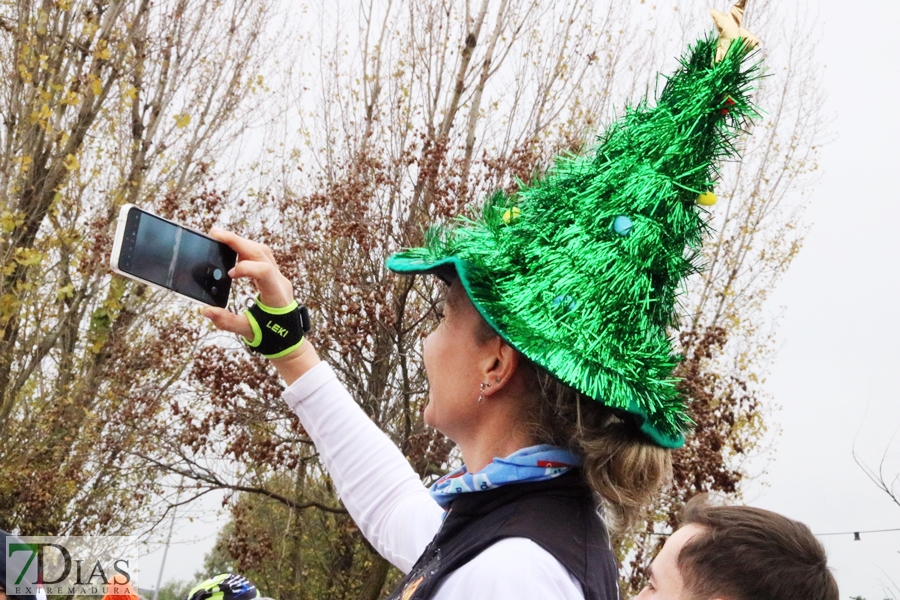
(621, 465)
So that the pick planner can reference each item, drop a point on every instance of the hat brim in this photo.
(445, 268)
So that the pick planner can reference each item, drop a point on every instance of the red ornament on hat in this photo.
(728, 102)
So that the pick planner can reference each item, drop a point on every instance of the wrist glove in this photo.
(277, 331)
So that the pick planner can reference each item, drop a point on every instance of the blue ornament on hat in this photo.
(622, 225)
(565, 302)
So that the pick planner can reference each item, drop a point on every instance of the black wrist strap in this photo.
(277, 331)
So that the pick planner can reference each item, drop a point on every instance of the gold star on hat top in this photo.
(730, 29)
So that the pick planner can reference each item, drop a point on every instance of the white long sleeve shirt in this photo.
(396, 512)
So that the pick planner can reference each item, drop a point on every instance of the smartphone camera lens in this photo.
(217, 275)
(214, 290)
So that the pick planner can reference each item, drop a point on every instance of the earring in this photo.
(484, 386)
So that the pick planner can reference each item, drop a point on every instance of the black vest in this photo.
(560, 515)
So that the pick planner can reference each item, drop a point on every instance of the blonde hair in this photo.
(621, 465)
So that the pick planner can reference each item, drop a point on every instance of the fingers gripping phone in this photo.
(169, 256)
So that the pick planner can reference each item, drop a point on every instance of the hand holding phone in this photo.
(257, 262)
(172, 257)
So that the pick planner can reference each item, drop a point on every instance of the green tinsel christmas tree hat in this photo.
(580, 269)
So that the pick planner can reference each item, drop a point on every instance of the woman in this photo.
(551, 365)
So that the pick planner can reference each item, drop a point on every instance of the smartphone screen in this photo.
(176, 258)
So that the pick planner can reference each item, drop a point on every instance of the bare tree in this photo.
(885, 476)
(725, 336)
(104, 102)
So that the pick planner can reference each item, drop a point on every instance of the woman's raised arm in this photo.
(374, 480)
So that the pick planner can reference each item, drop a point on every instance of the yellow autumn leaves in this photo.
(9, 220)
(42, 116)
(101, 50)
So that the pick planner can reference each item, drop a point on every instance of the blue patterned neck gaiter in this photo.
(535, 463)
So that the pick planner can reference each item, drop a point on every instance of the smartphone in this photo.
(169, 256)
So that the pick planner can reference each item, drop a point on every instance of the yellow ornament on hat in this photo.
(707, 199)
(511, 214)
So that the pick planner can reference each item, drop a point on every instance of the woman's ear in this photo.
(504, 362)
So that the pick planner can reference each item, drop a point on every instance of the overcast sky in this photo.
(835, 375)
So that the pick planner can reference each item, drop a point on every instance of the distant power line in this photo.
(856, 534)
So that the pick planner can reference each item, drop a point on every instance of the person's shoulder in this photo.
(512, 568)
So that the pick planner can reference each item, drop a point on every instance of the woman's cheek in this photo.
(428, 413)
(428, 349)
